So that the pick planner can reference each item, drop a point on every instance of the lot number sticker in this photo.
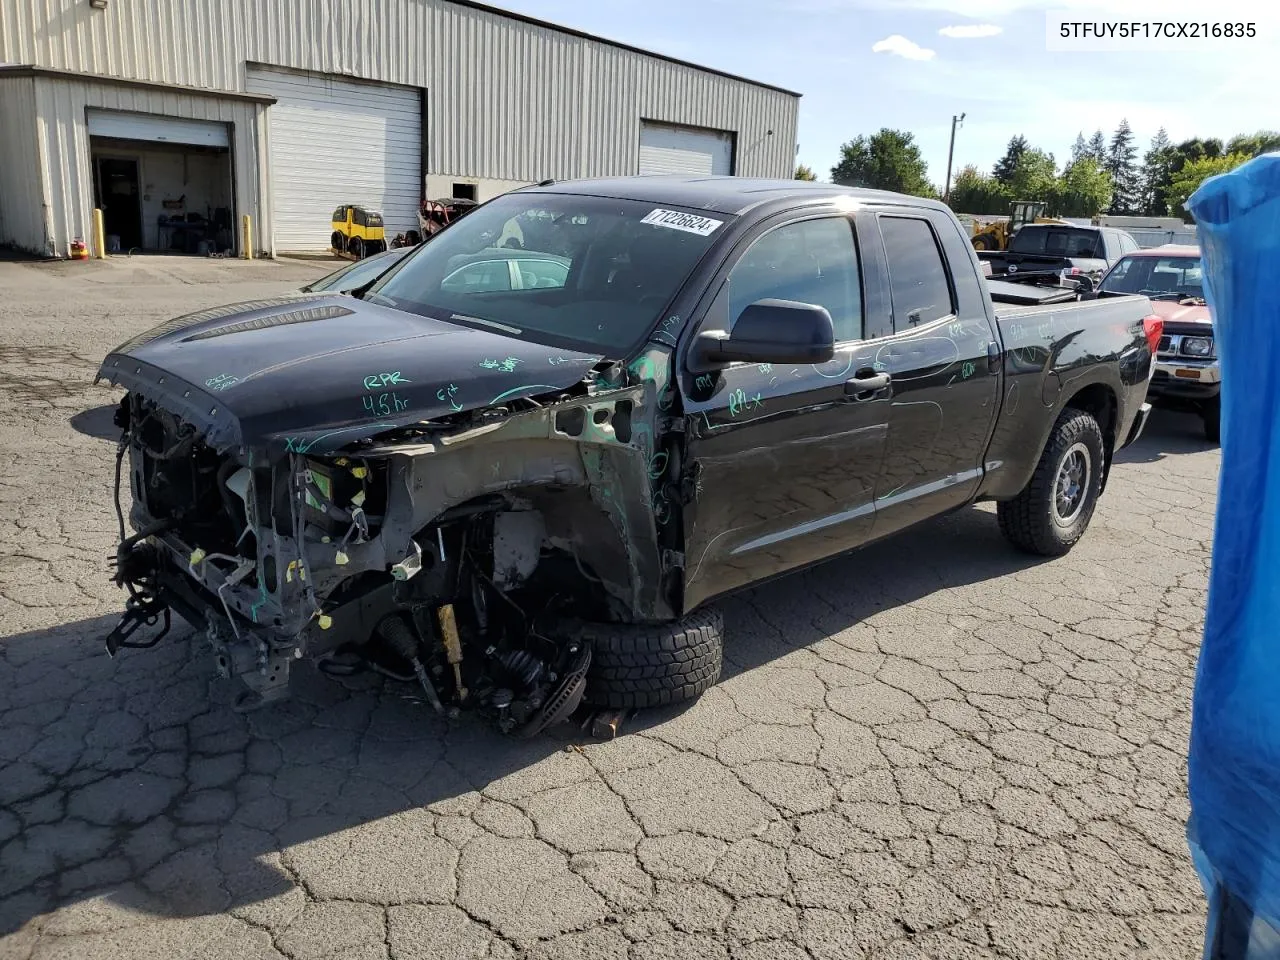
(688, 222)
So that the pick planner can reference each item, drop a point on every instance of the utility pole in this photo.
(946, 191)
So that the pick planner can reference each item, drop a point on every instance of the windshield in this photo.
(1057, 242)
(1159, 278)
(359, 273)
(586, 273)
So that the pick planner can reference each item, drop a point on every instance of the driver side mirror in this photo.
(768, 331)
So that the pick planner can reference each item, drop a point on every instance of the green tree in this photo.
(1121, 163)
(1080, 148)
(1187, 180)
(805, 173)
(1033, 177)
(1083, 190)
(973, 191)
(1156, 175)
(1098, 148)
(1006, 165)
(887, 160)
(1189, 151)
(1255, 144)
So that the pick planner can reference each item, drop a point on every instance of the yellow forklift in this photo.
(357, 232)
(996, 235)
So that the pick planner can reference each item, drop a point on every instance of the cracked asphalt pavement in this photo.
(936, 747)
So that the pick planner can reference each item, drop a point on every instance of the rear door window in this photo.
(919, 284)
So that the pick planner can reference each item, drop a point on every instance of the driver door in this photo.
(785, 456)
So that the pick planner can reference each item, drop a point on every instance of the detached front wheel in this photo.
(638, 665)
(1053, 511)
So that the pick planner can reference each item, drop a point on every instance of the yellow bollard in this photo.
(99, 235)
(246, 237)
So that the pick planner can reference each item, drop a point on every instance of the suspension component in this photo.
(452, 645)
(401, 638)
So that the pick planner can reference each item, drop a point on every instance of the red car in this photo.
(1187, 374)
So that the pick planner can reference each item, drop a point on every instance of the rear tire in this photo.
(338, 241)
(1211, 414)
(356, 248)
(1053, 511)
(654, 665)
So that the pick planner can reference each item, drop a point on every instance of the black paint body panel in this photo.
(314, 373)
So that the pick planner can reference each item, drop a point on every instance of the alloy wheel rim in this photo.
(1072, 484)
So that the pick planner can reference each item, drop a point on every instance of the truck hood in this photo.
(319, 372)
(1170, 311)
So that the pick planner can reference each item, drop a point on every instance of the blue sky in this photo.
(996, 68)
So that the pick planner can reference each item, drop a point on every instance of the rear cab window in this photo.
(1058, 242)
(919, 283)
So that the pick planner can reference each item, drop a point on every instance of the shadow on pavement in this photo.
(1168, 434)
(97, 422)
(131, 779)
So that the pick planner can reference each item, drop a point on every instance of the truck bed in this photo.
(1113, 309)
(1029, 294)
(1048, 350)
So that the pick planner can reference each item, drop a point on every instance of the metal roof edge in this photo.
(596, 38)
(54, 73)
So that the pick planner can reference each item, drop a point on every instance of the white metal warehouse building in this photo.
(178, 117)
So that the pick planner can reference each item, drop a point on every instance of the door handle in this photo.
(865, 387)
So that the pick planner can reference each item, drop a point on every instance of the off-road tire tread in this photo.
(1027, 520)
(654, 665)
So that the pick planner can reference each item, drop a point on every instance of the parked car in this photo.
(435, 215)
(530, 495)
(353, 276)
(1068, 251)
(1187, 375)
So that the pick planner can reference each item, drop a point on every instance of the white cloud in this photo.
(971, 31)
(900, 46)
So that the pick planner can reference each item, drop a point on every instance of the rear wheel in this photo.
(356, 248)
(1211, 414)
(338, 241)
(654, 665)
(1053, 511)
(984, 241)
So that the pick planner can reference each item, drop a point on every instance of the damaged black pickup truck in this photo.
(515, 468)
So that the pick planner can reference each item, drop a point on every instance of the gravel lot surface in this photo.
(933, 748)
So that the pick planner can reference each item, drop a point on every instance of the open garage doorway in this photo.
(164, 184)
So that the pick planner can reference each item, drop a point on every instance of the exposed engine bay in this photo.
(456, 556)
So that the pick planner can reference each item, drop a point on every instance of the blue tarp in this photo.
(1234, 764)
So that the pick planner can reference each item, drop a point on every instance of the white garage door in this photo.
(670, 149)
(336, 141)
(158, 129)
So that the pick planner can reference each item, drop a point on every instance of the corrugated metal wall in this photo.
(506, 99)
(21, 214)
(63, 144)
